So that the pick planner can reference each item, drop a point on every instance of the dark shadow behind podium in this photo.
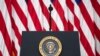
(31, 40)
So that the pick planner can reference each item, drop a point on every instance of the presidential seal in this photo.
(50, 46)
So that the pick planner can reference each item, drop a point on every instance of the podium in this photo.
(31, 41)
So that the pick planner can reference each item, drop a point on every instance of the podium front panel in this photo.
(31, 40)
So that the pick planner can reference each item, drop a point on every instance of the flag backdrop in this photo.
(33, 15)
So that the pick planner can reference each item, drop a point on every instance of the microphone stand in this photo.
(50, 20)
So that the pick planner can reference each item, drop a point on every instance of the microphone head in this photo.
(50, 8)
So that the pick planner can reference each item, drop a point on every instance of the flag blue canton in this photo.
(78, 1)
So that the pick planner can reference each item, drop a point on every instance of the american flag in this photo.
(33, 15)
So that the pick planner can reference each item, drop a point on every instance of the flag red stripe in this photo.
(44, 29)
(16, 31)
(5, 34)
(71, 7)
(34, 16)
(14, 49)
(8, 5)
(60, 11)
(97, 32)
(46, 13)
(87, 17)
(83, 39)
(20, 13)
(70, 26)
(1, 54)
(96, 6)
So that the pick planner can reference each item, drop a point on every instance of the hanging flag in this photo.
(33, 15)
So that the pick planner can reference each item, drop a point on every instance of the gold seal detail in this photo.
(50, 46)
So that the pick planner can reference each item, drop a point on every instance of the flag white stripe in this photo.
(31, 25)
(40, 15)
(63, 5)
(3, 47)
(23, 6)
(97, 45)
(68, 15)
(84, 27)
(97, 19)
(38, 11)
(17, 21)
(71, 19)
(57, 19)
(89, 8)
(15, 40)
(6, 17)
(45, 23)
(83, 51)
(83, 24)
(98, 1)
(88, 35)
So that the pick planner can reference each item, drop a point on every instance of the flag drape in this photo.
(33, 15)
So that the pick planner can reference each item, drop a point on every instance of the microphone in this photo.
(50, 8)
(50, 20)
